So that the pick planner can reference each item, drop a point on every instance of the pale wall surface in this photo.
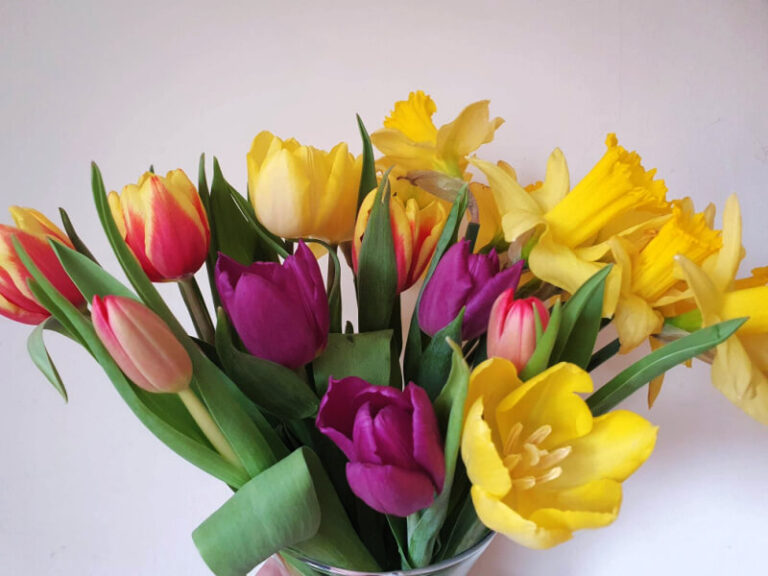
(84, 490)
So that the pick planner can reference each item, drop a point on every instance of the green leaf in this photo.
(365, 355)
(73, 236)
(159, 412)
(658, 362)
(275, 388)
(377, 269)
(539, 361)
(368, 174)
(437, 360)
(90, 278)
(449, 409)
(414, 345)
(333, 291)
(236, 236)
(213, 247)
(467, 531)
(582, 316)
(605, 353)
(290, 504)
(41, 358)
(398, 528)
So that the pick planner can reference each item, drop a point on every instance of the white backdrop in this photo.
(85, 490)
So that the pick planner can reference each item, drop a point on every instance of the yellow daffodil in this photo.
(540, 465)
(740, 364)
(300, 192)
(411, 140)
(648, 271)
(617, 197)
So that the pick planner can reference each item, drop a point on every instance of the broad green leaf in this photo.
(659, 361)
(466, 532)
(437, 360)
(154, 411)
(377, 270)
(365, 355)
(581, 321)
(235, 234)
(398, 528)
(368, 174)
(90, 278)
(414, 345)
(291, 504)
(275, 388)
(73, 236)
(333, 289)
(449, 409)
(41, 358)
(539, 361)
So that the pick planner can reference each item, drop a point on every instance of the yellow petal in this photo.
(471, 129)
(490, 231)
(500, 518)
(708, 297)
(635, 321)
(549, 399)
(592, 505)
(113, 199)
(402, 151)
(654, 386)
(749, 302)
(413, 118)
(618, 444)
(723, 266)
(739, 378)
(510, 196)
(557, 183)
(485, 467)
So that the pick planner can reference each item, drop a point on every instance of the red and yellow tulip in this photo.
(164, 224)
(33, 231)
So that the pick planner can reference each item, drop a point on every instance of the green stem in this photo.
(203, 418)
(193, 299)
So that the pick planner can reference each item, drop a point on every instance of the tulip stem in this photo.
(203, 418)
(193, 299)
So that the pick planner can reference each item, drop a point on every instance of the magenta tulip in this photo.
(279, 311)
(396, 462)
(464, 280)
(512, 328)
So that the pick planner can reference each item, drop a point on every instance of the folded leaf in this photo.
(437, 360)
(368, 174)
(365, 355)
(41, 358)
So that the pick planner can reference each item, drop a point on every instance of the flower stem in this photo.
(202, 417)
(193, 299)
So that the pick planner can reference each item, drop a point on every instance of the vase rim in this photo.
(449, 563)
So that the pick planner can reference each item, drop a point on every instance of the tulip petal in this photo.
(479, 306)
(335, 416)
(390, 490)
(485, 467)
(447, 290)
(314, 301)
(501, 518)
(592, 505)
(618, 444)
(393, 430)
(364, 437)
(427, 444)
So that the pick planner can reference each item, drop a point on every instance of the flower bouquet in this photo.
(404, 439)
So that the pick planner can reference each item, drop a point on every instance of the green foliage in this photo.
(365, 355)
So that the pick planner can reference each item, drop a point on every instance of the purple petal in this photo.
(479, 306)
(363, 437)
(309, 280)
(483, 267)
(381, 396)
(447, 290)
(393, 429)
(336, 414)
(227, 274)
(390, 490)
(427, 444)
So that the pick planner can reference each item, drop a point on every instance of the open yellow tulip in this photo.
(540, 465)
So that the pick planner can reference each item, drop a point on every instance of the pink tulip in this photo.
(512, 328)
(141, 344)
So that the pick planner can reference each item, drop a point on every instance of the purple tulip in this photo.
(279, 311)
(464, 280)
(396, 462)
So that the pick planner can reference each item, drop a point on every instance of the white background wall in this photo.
(85, 490)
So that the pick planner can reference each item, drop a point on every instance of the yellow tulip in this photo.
(740, 364)
(540, 465)
(302, 192)
(617, 197)
(411, 140)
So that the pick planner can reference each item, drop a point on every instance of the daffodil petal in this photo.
(556, 184)
(739, 379)
(723, 266)
(510, 196)
(635, 321)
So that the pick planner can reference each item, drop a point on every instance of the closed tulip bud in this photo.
(164, 224)
(16, 299)
(415, 232)
(464, 280)
(279, 311)
(512, 328)
(302, 192)
(391, 438)
(141, 344)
